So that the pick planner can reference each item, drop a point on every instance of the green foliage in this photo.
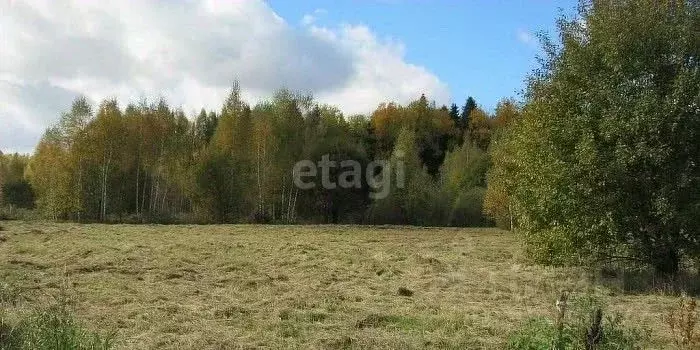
(18, 194)
(500, 176)
(205, 126)
(507, 112)
(327, 133)
(50, 329)
(433, 127)
(575, 330)
(15, 191)
(149, 163)
(478, 131)
(463, 184)
(454, 114)
(225, 168)
(602, 162)
(464, 168)
(467, 109)
(43, 328)
(47, 329)
(535, 334)
(467, 209)
(414, 196)
(217, 192)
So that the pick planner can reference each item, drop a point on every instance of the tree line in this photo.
(600, 161)
(149, 162)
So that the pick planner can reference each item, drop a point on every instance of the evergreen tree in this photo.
(467, 109)
(454, 114)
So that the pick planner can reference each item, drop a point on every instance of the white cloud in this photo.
(381, 74)
(526, 38)
(310, 18)
(188, 52)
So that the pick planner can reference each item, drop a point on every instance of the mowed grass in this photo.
(306, 287)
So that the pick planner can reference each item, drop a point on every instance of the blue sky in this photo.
(479, 48)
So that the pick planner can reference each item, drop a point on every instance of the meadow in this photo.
(306, 287)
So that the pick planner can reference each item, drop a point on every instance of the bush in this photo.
(52, 328)
(596, 157)
(585, 327)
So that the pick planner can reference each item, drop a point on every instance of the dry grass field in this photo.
(306, 287)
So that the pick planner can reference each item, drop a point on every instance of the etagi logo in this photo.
(377, 174)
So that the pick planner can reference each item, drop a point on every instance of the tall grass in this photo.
(684, 322)
(579, 324)
(51, 328)
(45, 328)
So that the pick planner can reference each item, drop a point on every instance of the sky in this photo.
(353, 54)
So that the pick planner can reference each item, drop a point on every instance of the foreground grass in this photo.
(48, 329)
(327, 287)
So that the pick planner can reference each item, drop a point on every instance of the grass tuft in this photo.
(578, 325)
(48, 328)
(51, 328)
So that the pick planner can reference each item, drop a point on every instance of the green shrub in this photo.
(536, 334)
(578, 326)
(51, 328)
